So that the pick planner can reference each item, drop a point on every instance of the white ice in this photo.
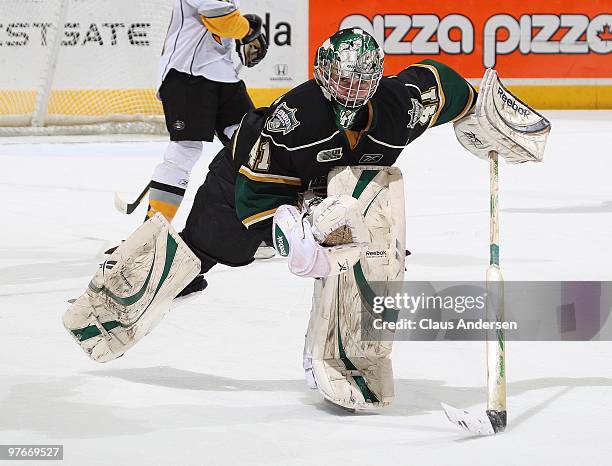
(220, 382)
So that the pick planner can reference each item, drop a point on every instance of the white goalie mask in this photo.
(348, 67)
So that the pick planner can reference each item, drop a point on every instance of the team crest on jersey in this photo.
(347, 117)
(329, 155)
(370, 158)
(415, 113)
(283, 120)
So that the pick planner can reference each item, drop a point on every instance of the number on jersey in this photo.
(259, 157)
(430, 104)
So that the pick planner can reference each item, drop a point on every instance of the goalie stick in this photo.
(494, 418)
(125, 208)
(508, 127)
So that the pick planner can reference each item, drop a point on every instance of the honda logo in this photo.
(281, 69)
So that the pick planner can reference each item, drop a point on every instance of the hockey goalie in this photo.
(347, 126)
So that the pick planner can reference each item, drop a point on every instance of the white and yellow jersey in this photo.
(201, 37)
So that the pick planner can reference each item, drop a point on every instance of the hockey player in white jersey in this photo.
(199, 87)
(201, 92)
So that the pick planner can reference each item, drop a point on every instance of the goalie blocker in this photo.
(502, 123)
(350, 368)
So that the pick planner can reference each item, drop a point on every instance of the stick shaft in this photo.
(142, 194)
(496, 356)
(493, 210)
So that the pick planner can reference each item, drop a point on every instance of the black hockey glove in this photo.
(253, 47)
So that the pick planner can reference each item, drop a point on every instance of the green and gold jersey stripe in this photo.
(258, 196)
(267, 178)
(468, 105)
(457, 96)
(247, 222)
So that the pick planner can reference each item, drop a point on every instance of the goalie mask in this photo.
(348, 67)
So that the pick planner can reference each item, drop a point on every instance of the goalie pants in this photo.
(213, 231)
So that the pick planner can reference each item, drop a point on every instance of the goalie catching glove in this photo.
(253, 47)
(502, 123)
(323, 242)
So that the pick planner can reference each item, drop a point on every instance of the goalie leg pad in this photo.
(132, 291)
(349, 368)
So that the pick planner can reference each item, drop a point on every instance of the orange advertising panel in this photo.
(520, 39)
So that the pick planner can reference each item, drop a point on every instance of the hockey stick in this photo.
(494, 418)
(126, 208)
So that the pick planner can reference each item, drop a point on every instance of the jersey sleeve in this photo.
(445, 95)
(222, 18)
(265, 182)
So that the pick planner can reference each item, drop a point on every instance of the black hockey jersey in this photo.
(279, 151)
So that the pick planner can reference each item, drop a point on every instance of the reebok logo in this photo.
(281, 246)
(512, 103)
(370, 158)
(280, 242)
(375, 254)
(473, 139)
(343, 267)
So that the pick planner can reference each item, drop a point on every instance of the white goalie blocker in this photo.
(350, 367)
(502, 123)
(132, 291)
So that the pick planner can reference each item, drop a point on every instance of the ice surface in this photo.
(219, 382)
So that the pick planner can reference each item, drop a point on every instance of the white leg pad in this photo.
(132, 291)
(350, 369)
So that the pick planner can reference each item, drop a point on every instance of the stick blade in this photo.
(124, 207)
(121, 205)
(478, 424)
